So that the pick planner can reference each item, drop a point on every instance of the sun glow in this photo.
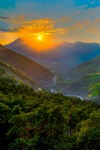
(40, 42)
(39, 37)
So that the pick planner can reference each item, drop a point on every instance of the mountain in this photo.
(83, 77)
(31, 69)
(9, 72)
(89, 67)
(60, 58)
(82, 86)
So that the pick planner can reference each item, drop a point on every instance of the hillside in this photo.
(82, 77)
(60, 58)
(7, 71)
(32, 120)
(89, 67)
(33, 70)
(82, 86)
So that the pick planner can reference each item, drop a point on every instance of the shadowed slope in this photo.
(32, 69)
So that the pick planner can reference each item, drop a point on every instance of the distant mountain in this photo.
(31, 69)
(60, 58)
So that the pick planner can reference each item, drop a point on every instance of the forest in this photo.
(32, 120)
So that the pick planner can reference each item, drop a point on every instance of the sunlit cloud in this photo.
(66, 19)
(93, 31)
(77, 26)
(47, 27)
(44, 26)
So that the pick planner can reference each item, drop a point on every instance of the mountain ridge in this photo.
(91, 66)
(7, 71)
(65, 56)
(33, 70)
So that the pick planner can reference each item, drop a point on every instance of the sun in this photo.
(39, 37)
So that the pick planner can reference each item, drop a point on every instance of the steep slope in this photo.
(83, 77)
(60, 58)
(82, 86)
(89, 67)
(33, 70)
(7, 71)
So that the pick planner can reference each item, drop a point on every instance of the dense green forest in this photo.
(32, 120)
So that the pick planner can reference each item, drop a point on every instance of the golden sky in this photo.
(55, 21)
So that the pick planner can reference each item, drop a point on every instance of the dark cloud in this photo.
(9, 29)
(4, 18)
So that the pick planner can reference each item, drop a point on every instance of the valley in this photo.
(49, 74)
(77, 81)
(61, 58)
(73, 81)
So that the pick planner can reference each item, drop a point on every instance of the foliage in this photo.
(45, 121)
(94, 90)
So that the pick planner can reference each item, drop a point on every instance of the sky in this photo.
(52, 20)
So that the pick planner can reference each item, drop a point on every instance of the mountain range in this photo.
(76, 66)
(60, 58)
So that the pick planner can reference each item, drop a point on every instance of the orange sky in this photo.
(56, 21)
(52, 30)
(44, 43)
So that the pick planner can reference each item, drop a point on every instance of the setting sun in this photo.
(39, 38)
(40, 42)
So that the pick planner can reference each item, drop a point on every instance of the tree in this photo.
(94, 90)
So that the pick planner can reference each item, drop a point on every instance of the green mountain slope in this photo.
(89, 67)
(31, 69)
(7, 71)
(83, 77)
(82, 86)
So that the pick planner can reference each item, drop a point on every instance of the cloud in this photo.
(97, 20)
(48, 26)
(23, 25)
(93, 31)
(4, 18)
(65, 19)
(30, 27)
(88, 3)
(77, 26)
(10, 29)
(86, 25)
